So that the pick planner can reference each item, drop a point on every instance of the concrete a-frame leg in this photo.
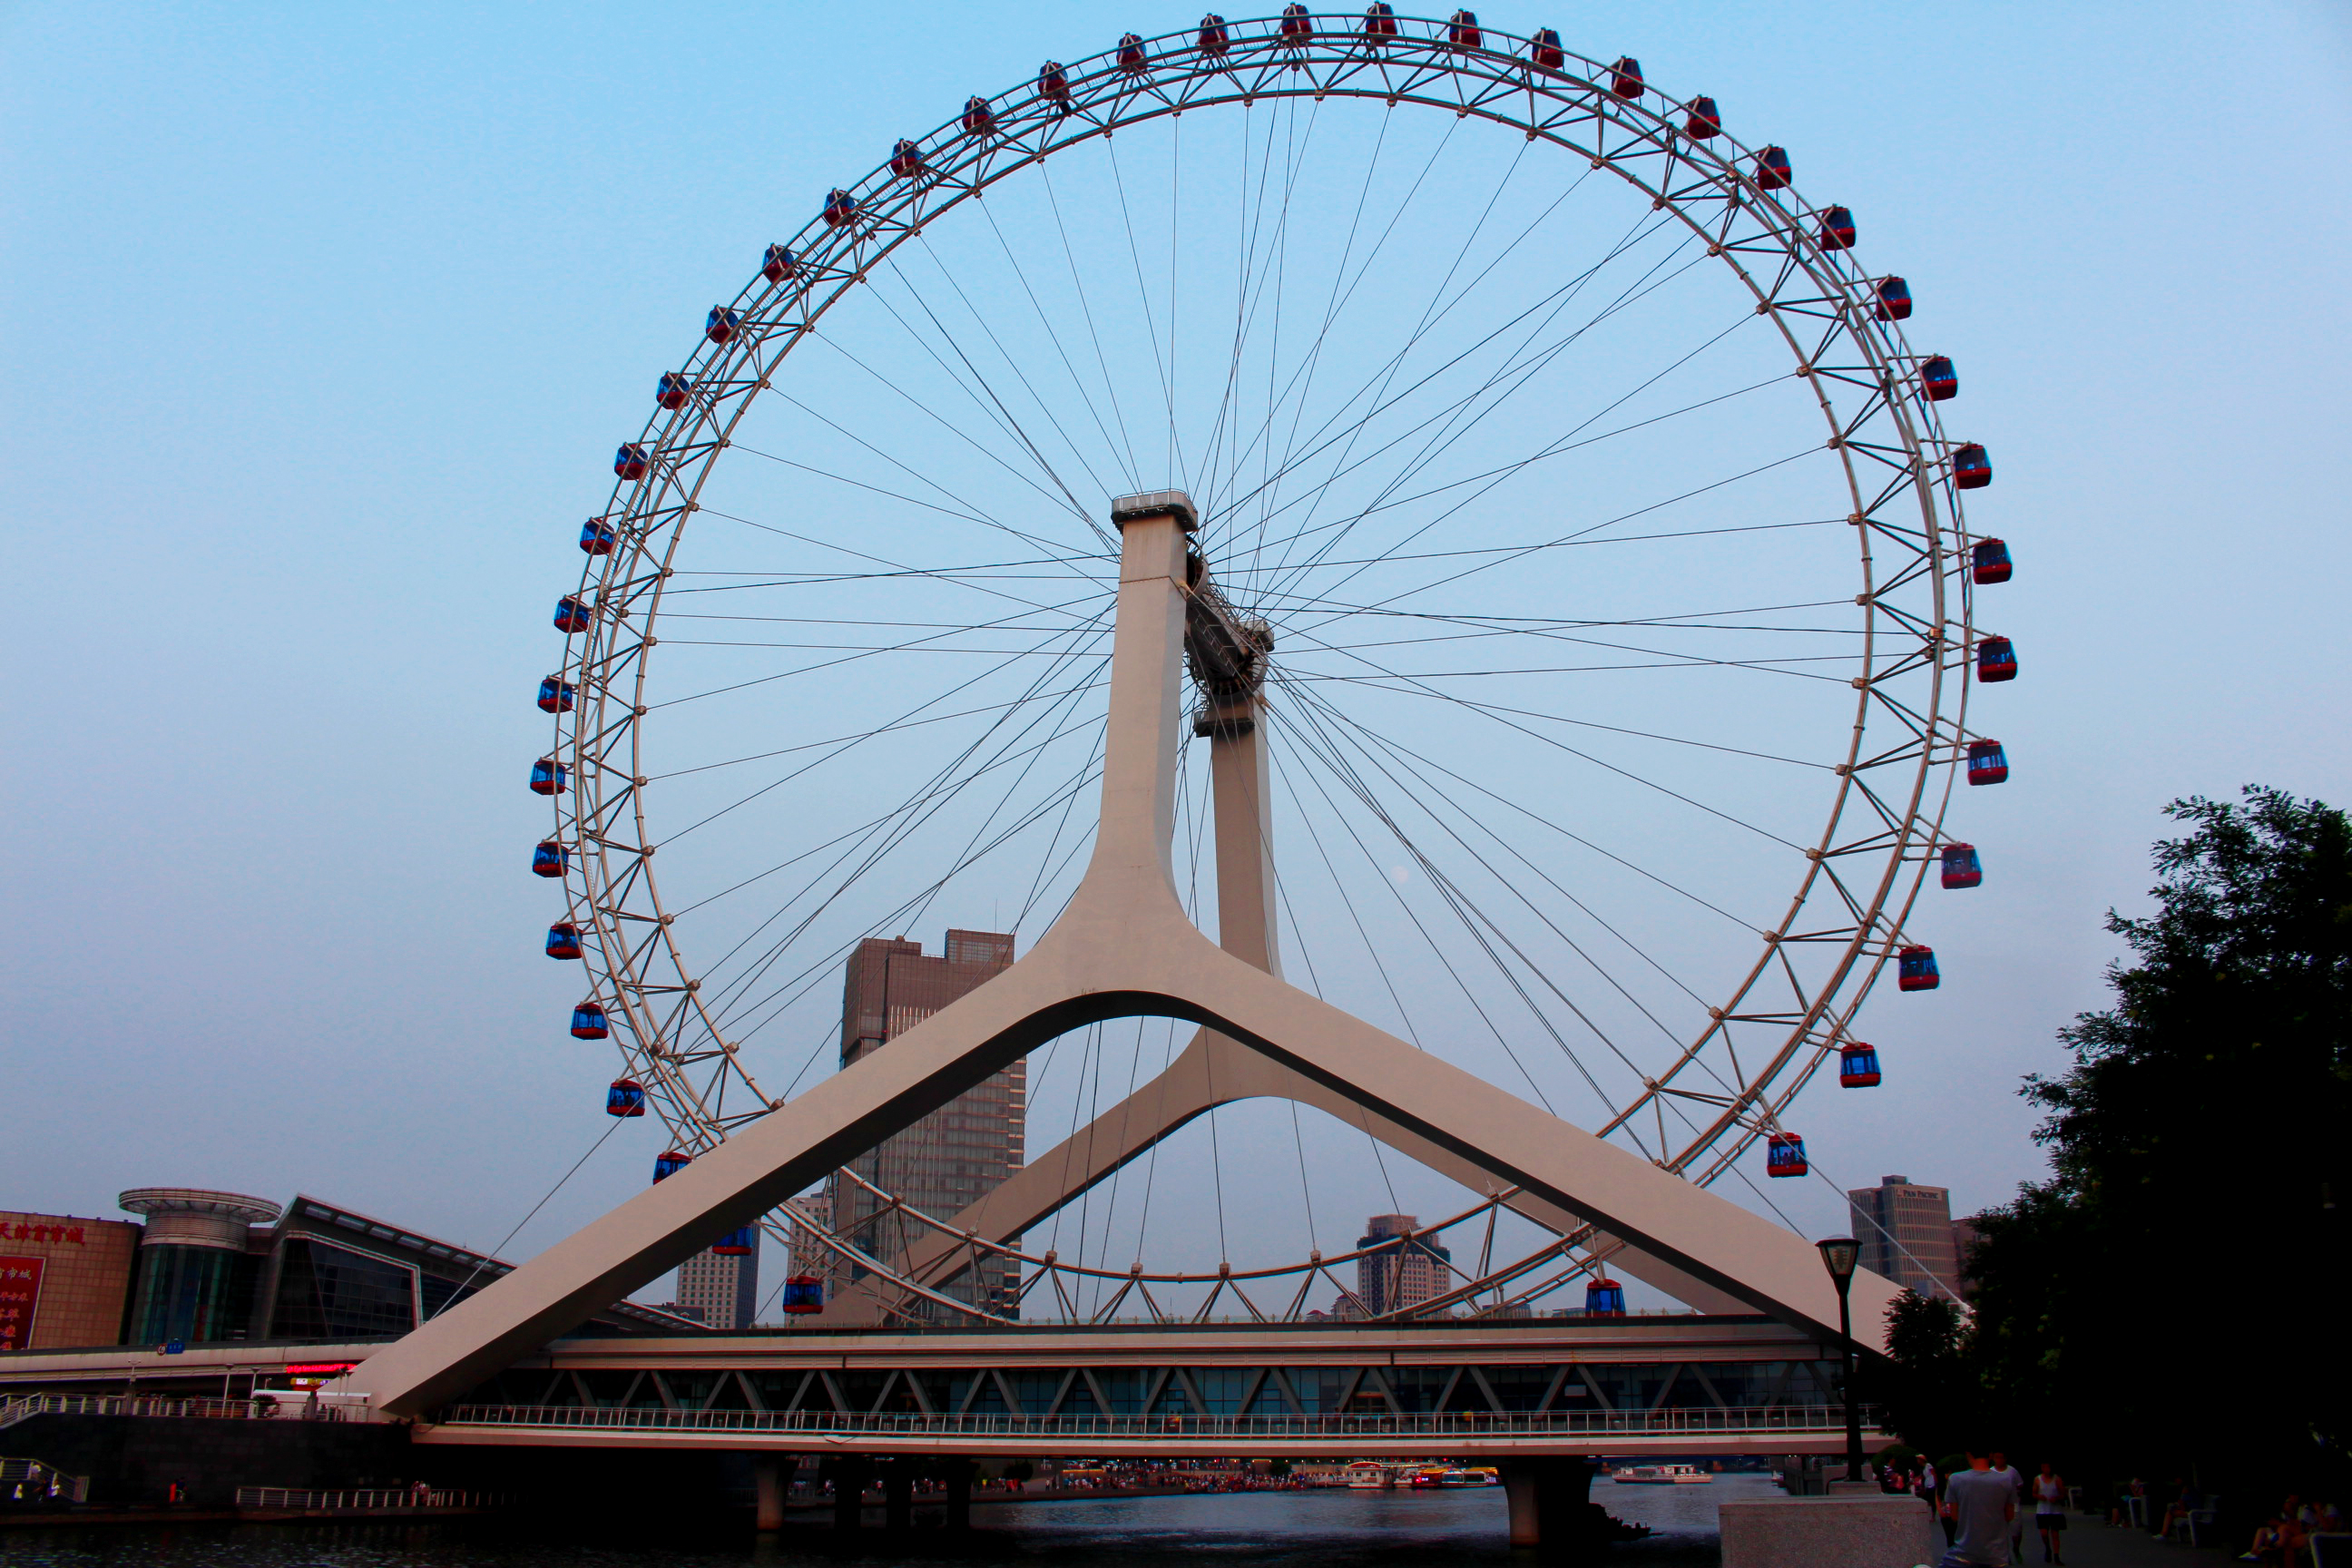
(1122, 948)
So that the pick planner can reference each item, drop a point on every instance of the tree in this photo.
(2166, 1300)
(1925, 1388)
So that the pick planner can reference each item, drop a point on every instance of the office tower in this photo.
(1403, 1275)
(958, 1154)
(723, 1292)
(1905, 1231)
(810, 1215)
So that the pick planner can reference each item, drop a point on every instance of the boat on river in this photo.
(1661, 1475)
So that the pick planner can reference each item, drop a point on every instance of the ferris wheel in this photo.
(1593, 517)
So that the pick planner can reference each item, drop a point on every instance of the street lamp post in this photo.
(1839, 1254)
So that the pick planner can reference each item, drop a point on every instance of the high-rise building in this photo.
(1402, 1275)
(959, 1154)
(810, 1215)
(723, 1291)
(1905, 1231)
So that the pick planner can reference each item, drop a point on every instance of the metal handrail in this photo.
(49, 1483)
(369, 1498)
(22, 1407)
(1668, 1422)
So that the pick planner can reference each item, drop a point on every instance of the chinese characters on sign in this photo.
(20, 1291)
(70, 1233)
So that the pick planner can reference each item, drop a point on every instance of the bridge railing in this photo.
(362, 1500)
(1674, 1421)
(32, 1481)
(20, 1408)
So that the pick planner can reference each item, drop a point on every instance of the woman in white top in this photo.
(2050, 1512)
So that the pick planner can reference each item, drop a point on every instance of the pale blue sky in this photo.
(320, 325)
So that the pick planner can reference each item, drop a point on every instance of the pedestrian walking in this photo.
(1979, 1507)
(2050, 1512)
(2006, 1471)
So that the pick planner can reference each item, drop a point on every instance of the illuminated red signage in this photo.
(20, 1293)
(319, 1368)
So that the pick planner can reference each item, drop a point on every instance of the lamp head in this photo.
(1839, 1254)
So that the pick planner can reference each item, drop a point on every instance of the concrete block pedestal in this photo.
(1878, 1531)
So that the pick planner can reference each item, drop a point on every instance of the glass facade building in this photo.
(1905, 1231)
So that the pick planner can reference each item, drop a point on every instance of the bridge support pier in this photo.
(852, 1474)
(898, 1494)
(770, 1480)
(1551, 1508)
(959, 1480)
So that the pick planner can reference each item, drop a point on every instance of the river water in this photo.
(1241, 1530)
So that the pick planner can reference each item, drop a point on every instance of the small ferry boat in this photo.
(1371, 1476)
(1661, 1475)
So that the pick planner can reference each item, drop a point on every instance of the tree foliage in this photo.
(2171, 1297)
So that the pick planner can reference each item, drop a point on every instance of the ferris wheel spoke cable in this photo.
(973, 575)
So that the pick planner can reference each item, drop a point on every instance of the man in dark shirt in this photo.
(1981, 1504)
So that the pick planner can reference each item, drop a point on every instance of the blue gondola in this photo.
(1463, 31)
(551, 858)
(1837, 229)
(631, 462)
(672, 390)
(1625, 78)
(1989, 561)
(1784, 1155)
(1988, 763)
(588, 1022)
(840, 208)
(1212, 39)
(1915, 969)
(1130, 52)
(1962, 868)
(556, 695)
(597, 537)
(1893, 300)
(1054, 85)
(670, 1163)
(1298, 27)
(779, 264)
(1605, 1297)
(1938, 380)
(1971, 467)
(548, 776)
(572, 615)
(1857, 1066)
(626, 1098)
(906, 159)
(1995, 660)
(1546, 50)
(804, 1294)
(1703, 121)
(737, 1243)
(563, 940)
(1379, 21)
(721, 324)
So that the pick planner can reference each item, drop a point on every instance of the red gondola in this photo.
(779, 265)
(1971, 467)
(804, 1294)
(1995, 660)
(672, 390)
(670, 1163)
(1054, 85)
(1938, 381)
(735, 1243)
(1625, 78)
(551, 858)
(721, 324)
(840, 208)
(597, 537)
(1212, 39)
(1915, 969)
(1772, 170)
(556, 695)
(1545, 50)
(979, 119)
(1961, 866)
(1130, 52)
(1857, 1066)
(1893, 302)
(1704, 121)
(1784, 1155)
(548, 776)
(631, 462)
(626, 1098)
(1605, 1297)
(588, 1022)
(1298, 27)
(1837, 229)
(572, 615)
(1988, 560)
(1988, 763)
(1380, 22)
(906, 159)
(1463, 31)
(563, 940)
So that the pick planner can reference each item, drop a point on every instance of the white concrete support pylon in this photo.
(1122, 948)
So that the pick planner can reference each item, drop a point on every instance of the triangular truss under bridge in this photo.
(1122, 948)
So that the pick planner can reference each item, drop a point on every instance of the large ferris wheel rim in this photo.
(1100, 95)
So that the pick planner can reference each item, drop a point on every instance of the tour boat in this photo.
(1661, 1475)
(1370, 1476)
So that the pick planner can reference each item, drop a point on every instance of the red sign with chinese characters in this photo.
(20, 1293)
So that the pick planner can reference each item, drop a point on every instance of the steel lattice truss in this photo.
(1883, 826)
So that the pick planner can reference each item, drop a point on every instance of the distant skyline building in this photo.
(1401, 1275)
(1906, 1234)
(722, 1291)
(959, 1154)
